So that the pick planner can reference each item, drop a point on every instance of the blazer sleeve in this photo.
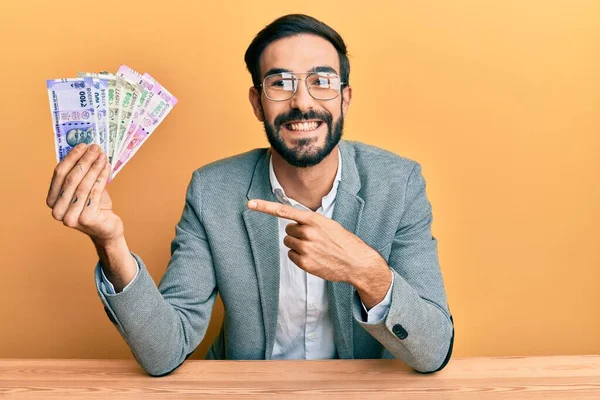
(418, 328)
(163, 325)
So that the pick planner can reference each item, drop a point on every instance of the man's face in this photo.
(301, 145)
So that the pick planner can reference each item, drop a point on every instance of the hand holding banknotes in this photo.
(100, 121)
(78, 197)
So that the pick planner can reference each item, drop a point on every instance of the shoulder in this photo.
(376, 163)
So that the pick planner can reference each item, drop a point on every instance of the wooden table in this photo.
(554, 377)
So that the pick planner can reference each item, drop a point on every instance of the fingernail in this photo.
(94, 148)
(252, 204)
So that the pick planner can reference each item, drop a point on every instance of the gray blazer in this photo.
(222, 247)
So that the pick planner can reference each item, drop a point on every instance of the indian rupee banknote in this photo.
(158, 109)
(113, 97)
(72, 108)
(129, 94)
(100, 92)
(149, 90)
(117, 111)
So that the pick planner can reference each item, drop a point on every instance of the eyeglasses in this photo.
(320, 85)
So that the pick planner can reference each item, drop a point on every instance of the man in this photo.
(319, 247)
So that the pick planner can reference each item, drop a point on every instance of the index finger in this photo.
(61, 170)
(281, 210)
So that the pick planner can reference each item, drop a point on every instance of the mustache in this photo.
(297, 115)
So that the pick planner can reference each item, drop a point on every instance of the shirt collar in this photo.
(327, 200)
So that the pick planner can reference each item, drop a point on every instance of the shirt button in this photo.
(313, 336)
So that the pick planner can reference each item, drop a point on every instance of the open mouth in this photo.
(303, 126)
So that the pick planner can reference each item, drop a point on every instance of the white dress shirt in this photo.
(304, 326)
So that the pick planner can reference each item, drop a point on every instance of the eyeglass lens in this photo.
(320, 85)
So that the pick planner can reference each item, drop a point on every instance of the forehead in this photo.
(299, 53)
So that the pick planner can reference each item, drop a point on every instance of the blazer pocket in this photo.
(385, 251)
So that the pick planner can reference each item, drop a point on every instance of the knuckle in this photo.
(70, 221)
(297, 260)
(99, 163)
(56, 214)
(82, 191)
(86, 159)
(85, 219)
(102, 158)
(89, 156)
(70, 180)
(307, 234)
(301, 247)
(59, 171)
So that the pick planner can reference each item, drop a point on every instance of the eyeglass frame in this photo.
(262, 85)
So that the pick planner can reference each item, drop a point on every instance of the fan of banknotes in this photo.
(116, 111)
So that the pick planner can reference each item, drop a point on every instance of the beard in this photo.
(304, 154)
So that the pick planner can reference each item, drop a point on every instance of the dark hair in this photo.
(292, 25)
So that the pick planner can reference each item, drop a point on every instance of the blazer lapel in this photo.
(347, 211)
(263, 233)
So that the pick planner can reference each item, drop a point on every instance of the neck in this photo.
(308, 185)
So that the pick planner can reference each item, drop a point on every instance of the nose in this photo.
(302, 100)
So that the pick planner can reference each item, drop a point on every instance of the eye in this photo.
(322, 82)
(280, 84)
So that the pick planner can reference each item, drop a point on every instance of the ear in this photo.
(254, 97)
(347, 98)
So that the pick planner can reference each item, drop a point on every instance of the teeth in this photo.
(304, 126)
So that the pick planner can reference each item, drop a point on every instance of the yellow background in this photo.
(498, 100)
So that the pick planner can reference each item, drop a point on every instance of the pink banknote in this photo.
(158, 108)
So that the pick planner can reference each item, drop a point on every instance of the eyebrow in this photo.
(320, 68)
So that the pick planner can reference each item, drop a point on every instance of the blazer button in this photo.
(400, 331)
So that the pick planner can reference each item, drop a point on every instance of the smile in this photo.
(303, 126)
